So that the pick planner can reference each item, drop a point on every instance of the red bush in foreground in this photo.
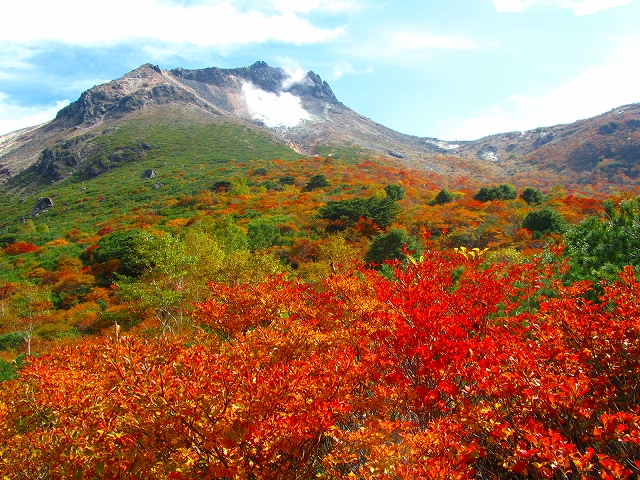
(445, 371)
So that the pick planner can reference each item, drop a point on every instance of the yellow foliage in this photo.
(470, 254)
(313, 271)
(177, 222)
(59, 242)
(509, 255)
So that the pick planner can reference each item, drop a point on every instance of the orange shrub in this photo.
(19, 248)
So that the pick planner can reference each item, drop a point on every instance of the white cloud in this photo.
(15, 117)
(579, 7)
(204, 25)
(14, 58)
(586, 7)
(274, 110)
(591, 93)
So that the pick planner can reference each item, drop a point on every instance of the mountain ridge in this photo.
(303, 112)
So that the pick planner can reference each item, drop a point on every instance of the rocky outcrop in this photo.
(148, 174)
(59, 161)
(261, 75)
(488, 153)
(84, 158)
(42, 205)
(141, 87)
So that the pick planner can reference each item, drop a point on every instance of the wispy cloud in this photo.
(14, 117)
(217, 24)
(579, 7)
(590, 93)
(408, 46)
(342, 69)
(14, 58)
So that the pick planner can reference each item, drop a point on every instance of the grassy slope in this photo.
(187, 159)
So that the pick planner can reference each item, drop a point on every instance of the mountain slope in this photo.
(602, 149)
(303, 114)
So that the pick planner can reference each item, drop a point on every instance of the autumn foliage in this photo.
(20, 247)
(449, 369)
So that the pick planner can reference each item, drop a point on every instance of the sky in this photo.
(450, 69)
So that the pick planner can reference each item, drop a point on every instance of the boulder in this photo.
(42, 205)
(148, 174)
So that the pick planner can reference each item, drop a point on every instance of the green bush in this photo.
(316, 182)
(262, 233)
(504, 191)
(598, 248)
(443, 196)
(120, 245)
(532, 196)
(394, 192)
(389, 246)
(10, 341)
(382, 211)
(287, 180)
(8, 370)
(546, 220)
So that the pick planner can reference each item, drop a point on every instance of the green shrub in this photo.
(10, 341)
(598, 249)
(546, 220)
(532, 196)
(395, 192)
(389, 246)
(504, 191)
(316, 182)
(443, 196)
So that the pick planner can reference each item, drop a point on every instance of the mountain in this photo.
(303, 114)
(601, 150)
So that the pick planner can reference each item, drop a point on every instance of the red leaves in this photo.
(445, 371)
(20, 247)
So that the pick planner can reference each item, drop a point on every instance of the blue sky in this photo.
(451, 69)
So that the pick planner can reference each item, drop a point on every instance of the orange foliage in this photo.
(19, 248)
(429, 374)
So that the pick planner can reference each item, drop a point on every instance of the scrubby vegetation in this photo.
(250, 313)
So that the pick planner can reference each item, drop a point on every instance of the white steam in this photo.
(295, 75)
(274, 109)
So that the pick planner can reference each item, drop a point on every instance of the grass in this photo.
(187, 159)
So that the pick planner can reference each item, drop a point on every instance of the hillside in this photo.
(303, 114)
(229, 274)
(600, 151)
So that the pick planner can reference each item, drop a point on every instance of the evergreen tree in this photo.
(598, 249)
(443, 196)
(316, 182)
(504, 191)
(394, 192)
(532, 196)
(388, 246)
(546, 220)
